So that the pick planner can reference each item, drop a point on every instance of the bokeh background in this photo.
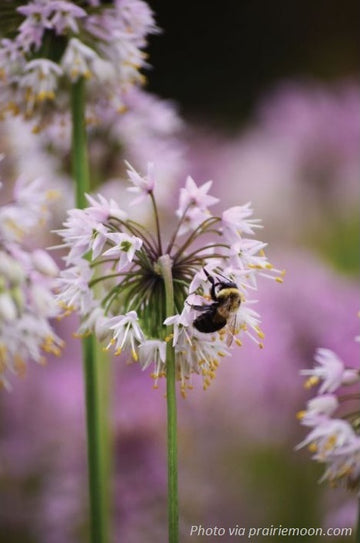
(264, 100)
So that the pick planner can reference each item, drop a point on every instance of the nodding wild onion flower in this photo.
(334, 437)
(27, 300)
(58, 41)
(113, 279)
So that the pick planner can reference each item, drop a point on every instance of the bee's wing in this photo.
(204, 307)
(232, 329)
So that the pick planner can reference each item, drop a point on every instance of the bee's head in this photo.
(225, 284)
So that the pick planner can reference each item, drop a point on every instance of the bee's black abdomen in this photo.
(207, 324)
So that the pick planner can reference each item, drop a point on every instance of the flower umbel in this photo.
(58, 40)
(27, 301)
(113, 279)
(334, 437)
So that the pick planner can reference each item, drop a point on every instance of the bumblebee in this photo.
(222, 311)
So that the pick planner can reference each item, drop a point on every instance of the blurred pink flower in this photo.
(299, 154)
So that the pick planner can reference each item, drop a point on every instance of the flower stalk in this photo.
(138, 299)
(173, 507)
(94, 417)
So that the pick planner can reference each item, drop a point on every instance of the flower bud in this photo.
(7, 307)
(11, 269)
(43, 263)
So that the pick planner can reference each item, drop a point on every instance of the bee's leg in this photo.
(213, 285)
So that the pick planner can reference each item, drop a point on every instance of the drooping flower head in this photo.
(59, 41)
(113, 278)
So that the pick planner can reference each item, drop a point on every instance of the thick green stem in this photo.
(173, 507)
(98, 490)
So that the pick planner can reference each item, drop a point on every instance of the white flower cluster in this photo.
(27, 301)
(112, 278)
(58, 38)
(333, 440)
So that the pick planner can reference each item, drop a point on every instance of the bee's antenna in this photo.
(224, 276)
(206, 273)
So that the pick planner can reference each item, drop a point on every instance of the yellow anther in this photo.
(311, 381)
(45, 95)
(259, 332)
(279, 280)
(134, 355)
(14, 227)
(20, 366)
(122, 109)
(345, 470)
(313, 447)
(261, 345)
(300, 414)
(52, 194)
(330, 443)
(238, 342)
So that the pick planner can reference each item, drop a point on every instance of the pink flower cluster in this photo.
(105, 45)
(112, 276)
(27, 301)
(334, 437)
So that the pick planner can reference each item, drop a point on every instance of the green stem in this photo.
(175, 233)
(173, 507)
(80, 163)
(201, 229)
(97, 472)
(157, 222)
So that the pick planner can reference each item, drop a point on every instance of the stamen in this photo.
(311, 381)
